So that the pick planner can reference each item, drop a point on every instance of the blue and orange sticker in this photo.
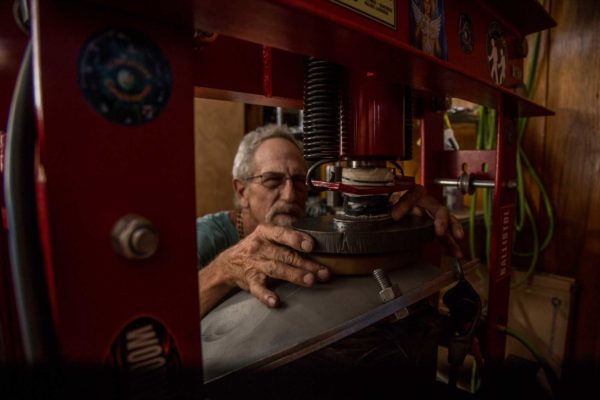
(124, 76)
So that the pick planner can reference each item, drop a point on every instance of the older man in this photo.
(246, 246)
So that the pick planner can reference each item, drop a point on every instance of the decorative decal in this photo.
(427, 30)
(382, 11)
(146, 359)
(124, 76)
(496, 53)
(504, 234)
(465, 33)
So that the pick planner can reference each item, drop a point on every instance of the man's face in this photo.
(280, 205)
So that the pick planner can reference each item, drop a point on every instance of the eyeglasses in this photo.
(274, 180)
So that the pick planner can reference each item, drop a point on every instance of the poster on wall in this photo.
(426, 29)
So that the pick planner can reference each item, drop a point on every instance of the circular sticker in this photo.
(496, 53)
(146, 359)
(124, 76)
(465, 32)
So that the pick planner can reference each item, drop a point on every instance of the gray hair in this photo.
(243, 163)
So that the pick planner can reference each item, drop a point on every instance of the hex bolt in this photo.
(382, 278)
(388, 291)
(144, 240)
(134, 237)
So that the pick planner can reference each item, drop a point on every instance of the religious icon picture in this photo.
(427, 31)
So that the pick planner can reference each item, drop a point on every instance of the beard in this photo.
(283, 214)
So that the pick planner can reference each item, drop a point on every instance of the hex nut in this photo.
(134, 237)
(390, 293)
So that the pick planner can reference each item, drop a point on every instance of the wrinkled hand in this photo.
(271, 251)
(417, 201)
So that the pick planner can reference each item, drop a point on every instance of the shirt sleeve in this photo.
(214, 233)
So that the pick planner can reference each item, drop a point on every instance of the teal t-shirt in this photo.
(214, 233)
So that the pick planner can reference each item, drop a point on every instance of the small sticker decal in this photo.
(146, 359)
(465, 32)
(427, 31)
(124, 76)
(496, 53)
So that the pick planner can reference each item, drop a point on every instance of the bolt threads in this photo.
(382, 278)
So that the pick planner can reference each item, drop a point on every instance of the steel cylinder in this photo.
(376, 117)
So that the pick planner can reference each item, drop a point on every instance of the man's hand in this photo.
(416, 201)
(270, 251)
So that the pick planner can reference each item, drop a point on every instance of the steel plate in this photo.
(242, 334)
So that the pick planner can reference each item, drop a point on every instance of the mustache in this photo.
(284, 208)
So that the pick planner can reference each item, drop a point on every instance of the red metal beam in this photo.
(95, 171)
(327, 31)
(503, 217)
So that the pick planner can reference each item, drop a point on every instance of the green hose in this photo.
(536, 249)
(547, 204)
(523, 159)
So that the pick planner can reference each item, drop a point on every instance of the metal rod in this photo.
(479, 183)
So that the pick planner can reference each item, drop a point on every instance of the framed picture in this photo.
(426, 29)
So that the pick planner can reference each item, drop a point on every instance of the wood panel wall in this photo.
(219, 127)
(565, 150)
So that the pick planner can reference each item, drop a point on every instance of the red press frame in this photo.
(95, 171)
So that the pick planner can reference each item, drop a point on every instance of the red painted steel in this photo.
(376, 117)
(95, 172)
(480, 163)
(326, 30)
(526, 16)
(267, 71)
(432, 143)
(503, 215)
(233, 69)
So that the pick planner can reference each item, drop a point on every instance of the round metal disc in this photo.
(365, 264)
(358, 237)
(242, 334)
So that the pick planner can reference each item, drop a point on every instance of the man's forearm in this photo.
(212, 288)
